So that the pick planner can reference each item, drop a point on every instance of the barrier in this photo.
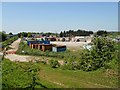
(10, 52)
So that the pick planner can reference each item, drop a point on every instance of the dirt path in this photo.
(14, 57)
(14, 46)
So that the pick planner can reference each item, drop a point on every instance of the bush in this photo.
(100, 55)
(54, 63)
(71, 66)
(19, 75)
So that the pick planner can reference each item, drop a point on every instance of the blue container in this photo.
(38, 42)
(28, 43)
(59, 49)
(46, 42)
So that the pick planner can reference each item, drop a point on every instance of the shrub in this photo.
(71, 65)
(44, 62)
(54, 63)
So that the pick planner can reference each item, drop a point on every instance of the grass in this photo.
(78, 79)
(55, 78)
(15, 75)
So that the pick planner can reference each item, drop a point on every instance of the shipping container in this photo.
(58, 48)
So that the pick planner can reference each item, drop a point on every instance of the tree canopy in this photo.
(75, 33)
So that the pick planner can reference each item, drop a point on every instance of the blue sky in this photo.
(59, 16)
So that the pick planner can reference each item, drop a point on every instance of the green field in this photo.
(15, 74)
(78, 78)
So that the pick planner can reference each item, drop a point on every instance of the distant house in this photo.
(38, 36)
(79, 39)
(51, 38)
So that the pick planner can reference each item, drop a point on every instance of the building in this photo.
(79, 39)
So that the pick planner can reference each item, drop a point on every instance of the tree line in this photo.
(75, 33)
(84, 33)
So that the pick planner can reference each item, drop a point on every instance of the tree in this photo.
(19, 35)
(61, 34)
(76, 33)
(101, 33)
(24, 34)
(3, 36)
(64, 34)
(10, 33)
(29, 34)
(99, 56)
(54, 63)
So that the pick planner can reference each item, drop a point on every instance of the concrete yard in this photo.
(71, 45)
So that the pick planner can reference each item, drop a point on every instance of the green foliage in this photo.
(9, 41)
(54, 63)
(101, 33)
(101, 54)
(61, 34)
(3, 36)
(20, 75)
(10, 33)
(75, 33)
(71, 66)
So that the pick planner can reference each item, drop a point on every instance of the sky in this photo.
(59, 16)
